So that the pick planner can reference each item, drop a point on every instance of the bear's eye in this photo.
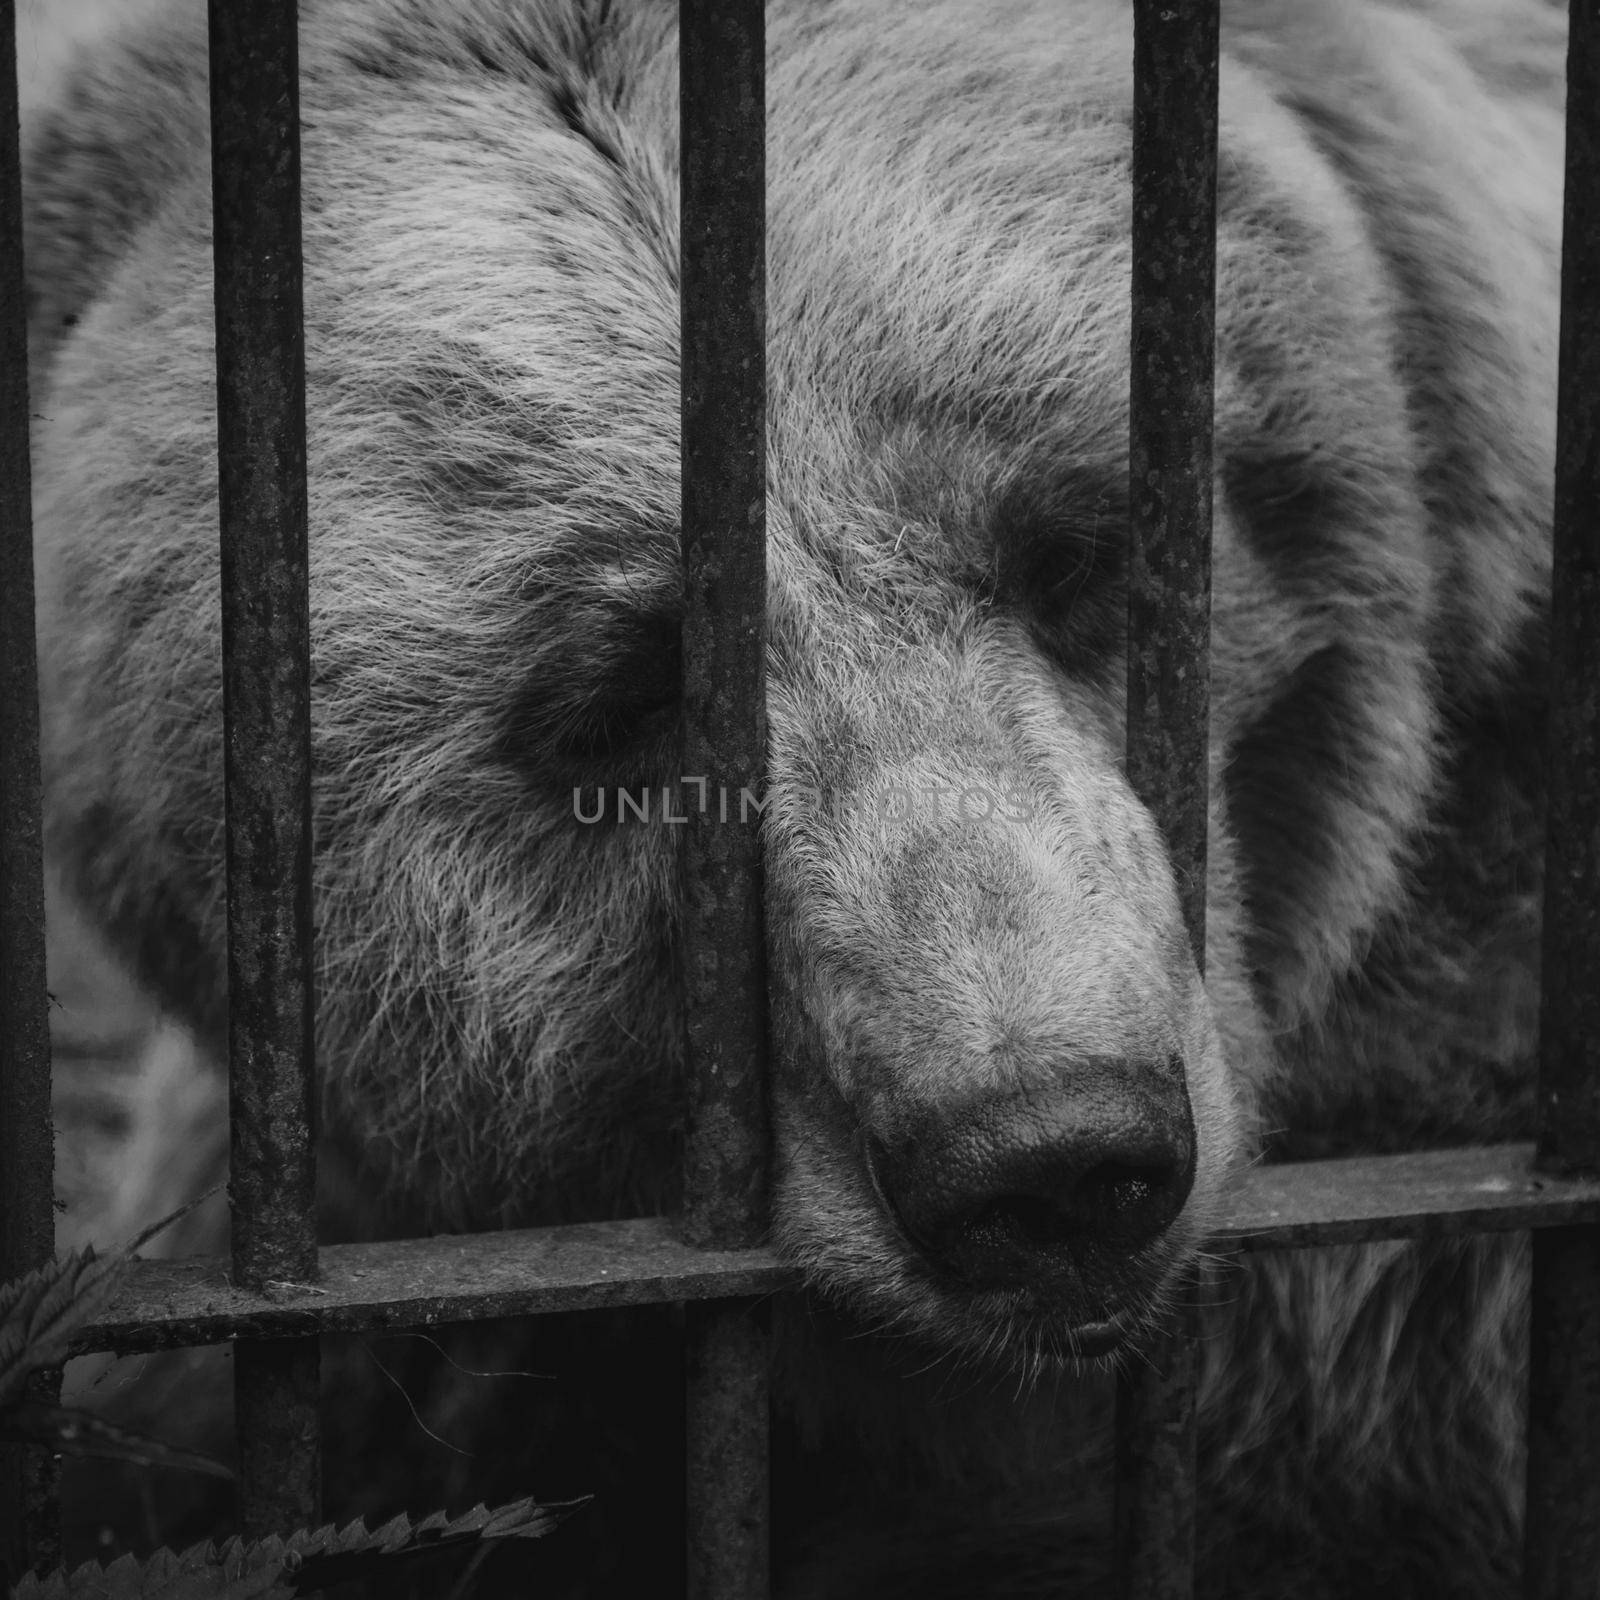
(607, 720)
(602, 729)
(1060, 562)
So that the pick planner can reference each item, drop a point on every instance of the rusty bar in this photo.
(266, 634)
(724, 626)
(1569, 1082)
(411, 1283)
(1169, 622)
(1422, 1194)
(277, 1421)
(727, 1446)
(722, 112)
(1562, 1538)
(27, 1218)
(1174, 314)
(255, 174)
(408, 1283)
(1155, 1462)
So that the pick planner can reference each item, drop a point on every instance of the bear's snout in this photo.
(1060, 1188)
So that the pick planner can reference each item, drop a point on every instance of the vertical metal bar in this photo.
(27, 1217)
(722, 84)
(1174, 318)
(728, 1449)
(1155, 1464)
(1169, 623)
(255, 162)
(277, 1421)
(1562, 1538)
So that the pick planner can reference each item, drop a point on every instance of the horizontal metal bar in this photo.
(1431, 1194)
(470, 1277)
(449, 1278)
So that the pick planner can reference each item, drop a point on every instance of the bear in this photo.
(985, 1028)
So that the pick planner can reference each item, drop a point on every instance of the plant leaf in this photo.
(41, 1311)
(303, 1564)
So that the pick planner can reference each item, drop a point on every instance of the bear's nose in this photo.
(1062, 1181)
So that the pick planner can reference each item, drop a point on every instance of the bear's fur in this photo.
(491, 312)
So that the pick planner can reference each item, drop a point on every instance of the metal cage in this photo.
(712, 1258)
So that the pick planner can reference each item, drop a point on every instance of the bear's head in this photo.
(1005, 1106)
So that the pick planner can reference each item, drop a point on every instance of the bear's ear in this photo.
(114, 112)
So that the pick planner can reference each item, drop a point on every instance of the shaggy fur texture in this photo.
(491, 316)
